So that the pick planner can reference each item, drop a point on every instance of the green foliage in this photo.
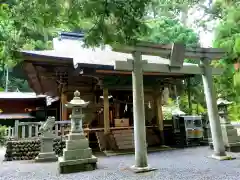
(165, 30)
(233, 111)
(227, 36)
(167, 115)
(197, 108)
(228, 32)
(171, 8)
(111, 21)
(31, 25)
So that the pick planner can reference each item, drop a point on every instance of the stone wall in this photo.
(29, 149)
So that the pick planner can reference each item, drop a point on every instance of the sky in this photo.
(206, 37)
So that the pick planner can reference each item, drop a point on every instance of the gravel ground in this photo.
(191, 163)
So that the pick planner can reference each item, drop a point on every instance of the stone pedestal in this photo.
(230, 137)
(46, 154)
(77, 156)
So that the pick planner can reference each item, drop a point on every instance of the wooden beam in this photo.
(27, 56)
(130, 73)
(64, 109)
(39, 79)
(32, 77)
(49, 85)
(159, 113)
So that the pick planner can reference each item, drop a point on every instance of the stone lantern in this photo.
(230, 135)
(77, 156)
(223, 110)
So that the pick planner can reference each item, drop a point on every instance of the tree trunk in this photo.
(184, 15)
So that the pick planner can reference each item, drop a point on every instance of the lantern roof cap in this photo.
(77, 101)
(222, 101)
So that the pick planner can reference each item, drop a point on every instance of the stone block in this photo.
(46, 157)
(77, 165)
(76, 136)
(77, 154)
(77, 144)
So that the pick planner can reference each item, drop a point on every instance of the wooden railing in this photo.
(30, 130)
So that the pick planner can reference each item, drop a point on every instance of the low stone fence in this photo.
(30, 130)
(29, 149)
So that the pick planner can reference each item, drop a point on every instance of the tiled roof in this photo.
(27, 95)
(17, 95)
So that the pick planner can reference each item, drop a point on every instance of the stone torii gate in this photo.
(176, 53)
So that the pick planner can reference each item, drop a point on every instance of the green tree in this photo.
(165, 30)
(227, 36)
(31, 25)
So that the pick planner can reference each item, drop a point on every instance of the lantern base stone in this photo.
(79, 165)
(77, 156)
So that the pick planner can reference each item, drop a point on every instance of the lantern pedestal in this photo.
(77, 156)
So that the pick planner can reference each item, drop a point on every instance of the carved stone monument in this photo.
(229, 132)
(77, 156)
(47, 154)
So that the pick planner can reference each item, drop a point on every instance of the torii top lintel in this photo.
(148, 48)
(175, 52)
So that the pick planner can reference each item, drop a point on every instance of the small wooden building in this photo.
(23, 106)
(71, 67)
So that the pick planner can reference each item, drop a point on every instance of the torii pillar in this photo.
(211, 101)
(141, 163)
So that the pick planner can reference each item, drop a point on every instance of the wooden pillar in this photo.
(64, 113)
(106, 111)
(117, 108)
(159, 114)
